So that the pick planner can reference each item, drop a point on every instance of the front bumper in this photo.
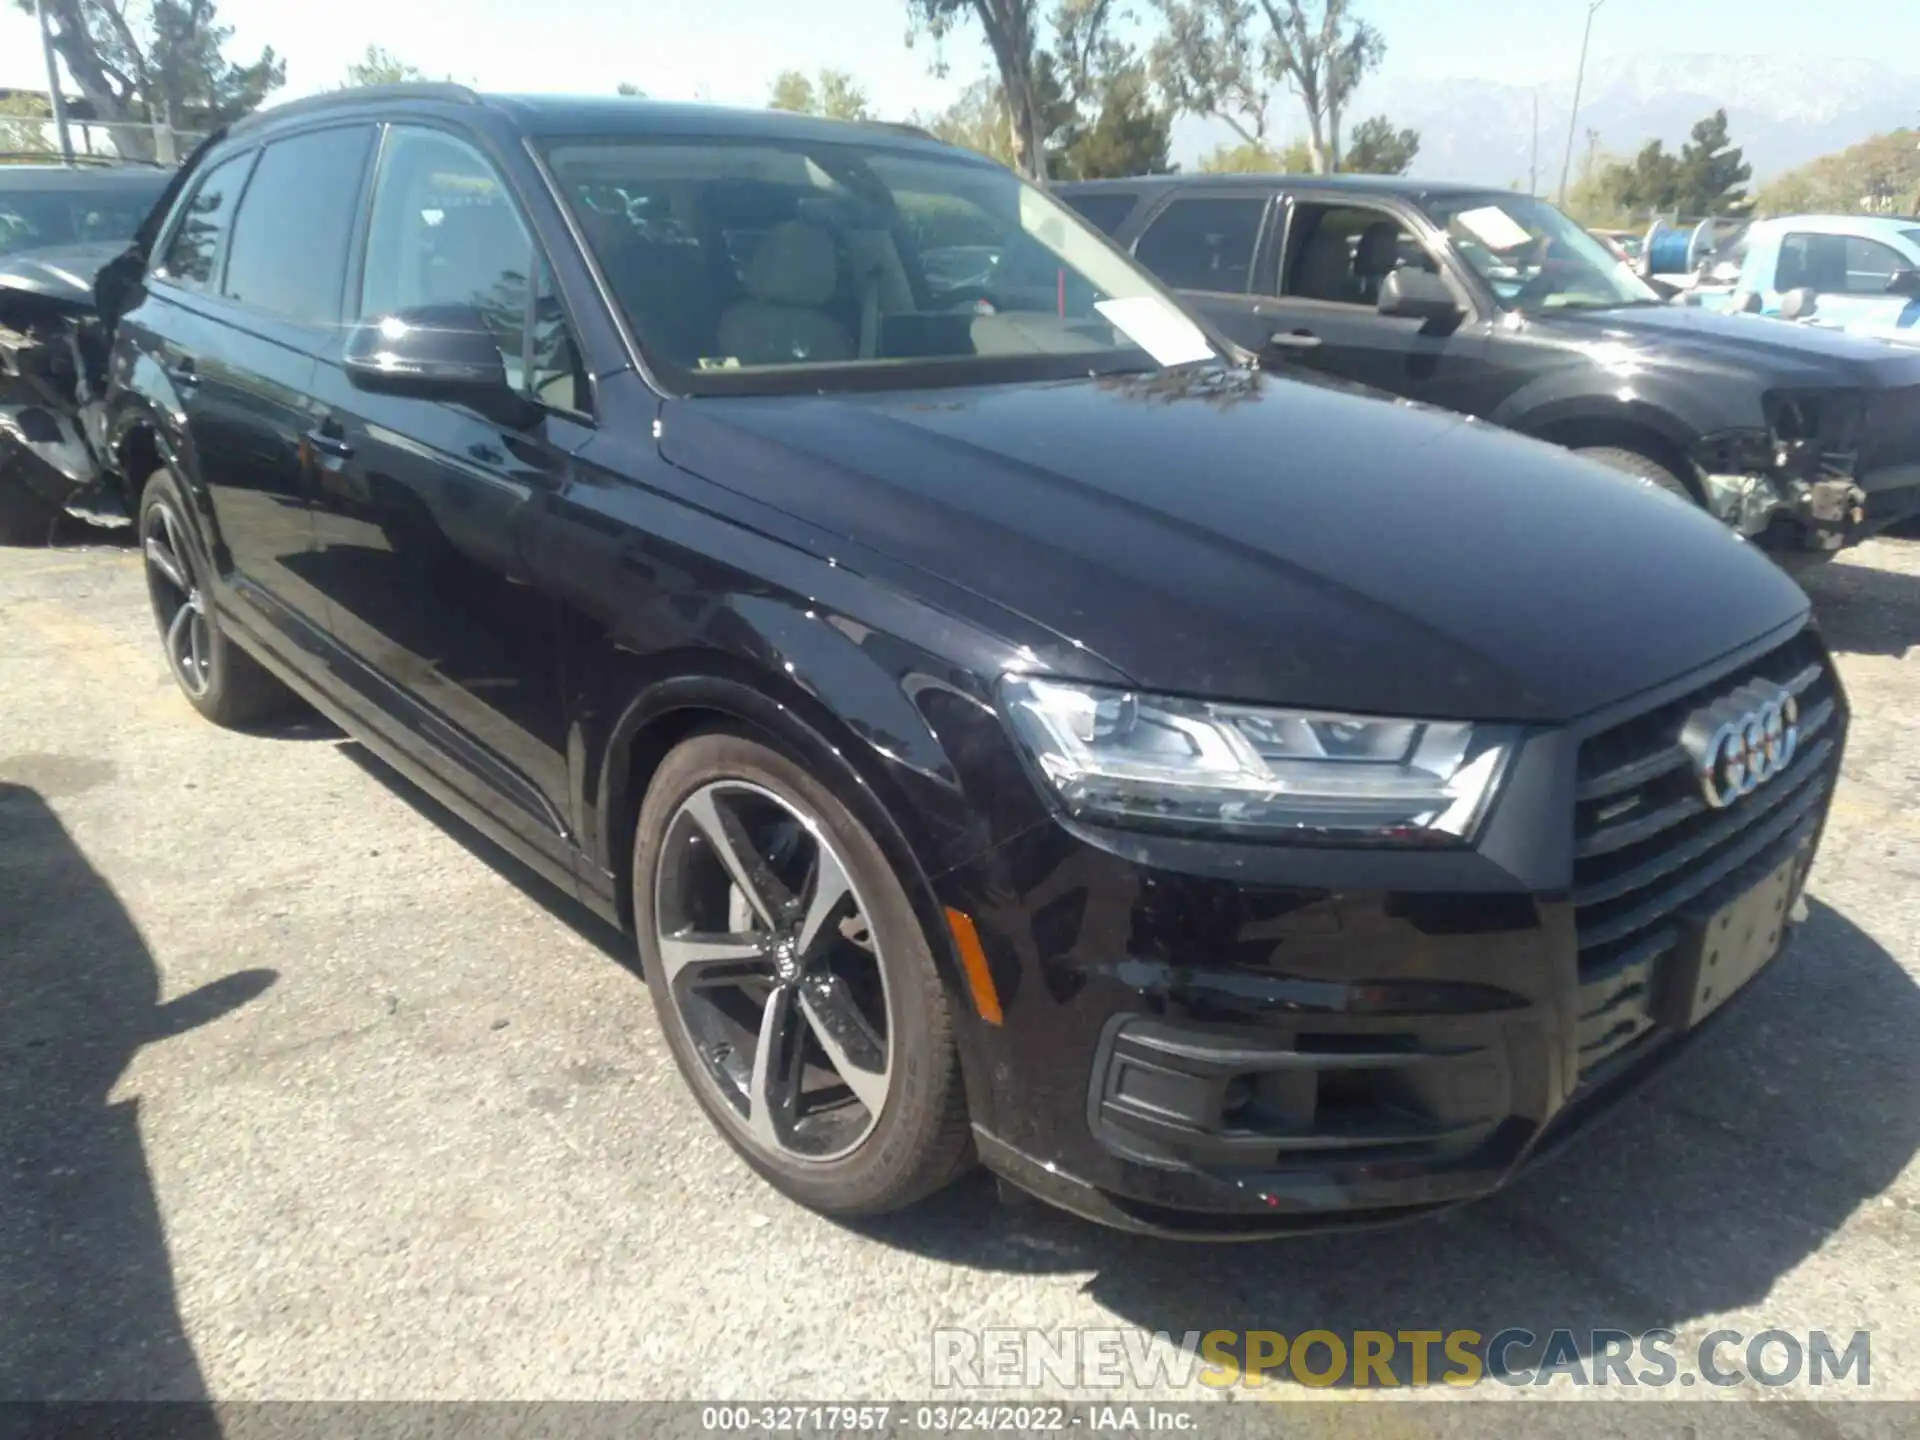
(44, 452)
(1825, 476)
(1233, 1042)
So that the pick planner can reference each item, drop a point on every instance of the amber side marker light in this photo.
(974, 961)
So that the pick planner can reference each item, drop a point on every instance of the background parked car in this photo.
(1498, 305)
(50, 205)
(58, 225)
(1859, 273)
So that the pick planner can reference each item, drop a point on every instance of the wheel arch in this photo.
(145, 431)
(701, 690)
(695, 689)
(1637, 426)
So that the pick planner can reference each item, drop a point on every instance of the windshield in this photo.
(32, 219)
(1535, 258)
(774, 264)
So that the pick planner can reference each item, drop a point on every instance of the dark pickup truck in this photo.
(1497, 305)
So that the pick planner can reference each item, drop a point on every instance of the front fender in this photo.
(1616, 412)
(889, 714)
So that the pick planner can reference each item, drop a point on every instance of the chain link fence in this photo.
(95, 141)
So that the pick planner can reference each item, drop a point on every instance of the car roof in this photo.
(610, 114)
(1400, 185)
(1875, 226)
(599, 116)
(92, 178)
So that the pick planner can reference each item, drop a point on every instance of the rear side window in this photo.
(288, 254)
(1204, 242)
(1104, 209)
(195, 247)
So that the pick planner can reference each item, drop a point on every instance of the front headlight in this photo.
(1119, 755)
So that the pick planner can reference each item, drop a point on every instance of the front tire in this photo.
(1631, 462)
(219, 679)
(794, 981)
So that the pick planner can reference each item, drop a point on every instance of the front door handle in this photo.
(1294, 340)
(326, 442)
(183, 374)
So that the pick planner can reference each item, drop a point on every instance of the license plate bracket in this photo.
(1726, 948)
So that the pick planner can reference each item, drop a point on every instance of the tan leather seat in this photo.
(793, 273)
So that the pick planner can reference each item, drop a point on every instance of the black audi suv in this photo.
(1223, 804)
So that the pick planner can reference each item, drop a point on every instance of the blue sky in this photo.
(728, 51)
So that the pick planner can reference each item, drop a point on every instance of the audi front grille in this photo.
(1649, 848)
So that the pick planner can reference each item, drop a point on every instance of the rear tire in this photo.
(836, 1115)
(1630, 462)
(219, 679)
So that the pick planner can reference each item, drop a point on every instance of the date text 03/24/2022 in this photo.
(945, 1419)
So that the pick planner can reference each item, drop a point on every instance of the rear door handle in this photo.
(183, 374)
(1294, 340)
(327, 442)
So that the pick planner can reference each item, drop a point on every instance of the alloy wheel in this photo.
(773, 971)
(186, 633)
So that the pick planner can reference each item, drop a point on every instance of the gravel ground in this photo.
(307, 1092)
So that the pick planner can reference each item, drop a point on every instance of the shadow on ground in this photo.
(561, 904)
(1867, 609)
(1787, 1116)
(87, 1302)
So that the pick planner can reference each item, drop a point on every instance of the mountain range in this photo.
(1781, 110)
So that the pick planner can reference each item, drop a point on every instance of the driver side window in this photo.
(445, 232)
(1871, 266)
(1340, 254)
(1836, 264)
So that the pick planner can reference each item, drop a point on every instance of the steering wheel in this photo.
(1543, 283)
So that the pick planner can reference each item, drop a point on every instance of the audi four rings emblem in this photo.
(1742, 740)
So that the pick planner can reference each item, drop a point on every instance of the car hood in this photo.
(1238, 535)
(61, 274)
(1777, 351)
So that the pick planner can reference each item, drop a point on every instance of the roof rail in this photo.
(902, 127)
(360, 95)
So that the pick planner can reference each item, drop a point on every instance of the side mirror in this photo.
(1905, 281)
(435, 352)
(1408, 293)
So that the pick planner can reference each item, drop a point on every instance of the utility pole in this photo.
(1533, 165)
(54, 97)
(1579, 78)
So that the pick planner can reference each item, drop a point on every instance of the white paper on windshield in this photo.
(1493, 225)
(1157, 328)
